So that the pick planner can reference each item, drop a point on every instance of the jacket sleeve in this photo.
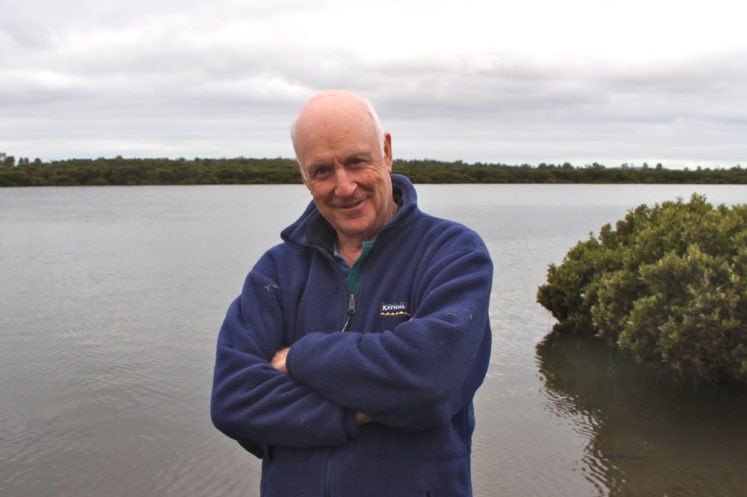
(251, 401)
(425, 370)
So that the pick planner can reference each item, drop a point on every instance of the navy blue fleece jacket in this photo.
(417, 350)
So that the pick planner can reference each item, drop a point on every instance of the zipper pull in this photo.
(351, 312)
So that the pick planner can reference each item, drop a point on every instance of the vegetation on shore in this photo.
(123, 171)
(667, 285)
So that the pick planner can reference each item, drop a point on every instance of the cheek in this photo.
(384, 183)
(374, 177)
(321, 190)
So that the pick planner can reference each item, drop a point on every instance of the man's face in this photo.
(346, 169)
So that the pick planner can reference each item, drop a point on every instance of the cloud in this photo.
(536, 81)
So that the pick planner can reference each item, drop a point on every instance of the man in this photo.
(350, 360)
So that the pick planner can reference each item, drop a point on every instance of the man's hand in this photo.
(278, 360)
(361, 418)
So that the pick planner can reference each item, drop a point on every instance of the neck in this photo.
(351, 248)
(350, 251)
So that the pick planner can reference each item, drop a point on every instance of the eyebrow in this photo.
(363, 154)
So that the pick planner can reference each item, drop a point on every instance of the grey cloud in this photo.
(156, 78)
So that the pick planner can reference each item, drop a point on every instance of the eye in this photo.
(320, 172)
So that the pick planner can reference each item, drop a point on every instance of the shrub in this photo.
(668, 285)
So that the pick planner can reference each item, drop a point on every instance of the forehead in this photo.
(322, 135)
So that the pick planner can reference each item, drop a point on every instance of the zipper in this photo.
(351, 312)
(328, 473)
(351, 282)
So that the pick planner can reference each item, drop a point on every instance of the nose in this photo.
(345, 185)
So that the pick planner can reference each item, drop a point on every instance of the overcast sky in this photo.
(515, 82)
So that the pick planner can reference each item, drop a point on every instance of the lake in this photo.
(111, 299)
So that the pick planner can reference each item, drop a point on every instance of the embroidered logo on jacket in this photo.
(395, 309)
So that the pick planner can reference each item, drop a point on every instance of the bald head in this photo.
(333, 107)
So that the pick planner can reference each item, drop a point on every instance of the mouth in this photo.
(349, 206)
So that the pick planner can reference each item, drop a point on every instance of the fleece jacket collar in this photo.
(311, 229)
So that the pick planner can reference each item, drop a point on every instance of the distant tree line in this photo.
(161, 171)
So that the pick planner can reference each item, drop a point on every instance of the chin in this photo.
(354, 229)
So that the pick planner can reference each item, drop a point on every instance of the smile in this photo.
(351, 206)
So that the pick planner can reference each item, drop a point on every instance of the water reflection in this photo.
(646, 437)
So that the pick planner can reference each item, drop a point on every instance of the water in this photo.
(110, 300)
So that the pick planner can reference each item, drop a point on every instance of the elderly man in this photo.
(350, 360)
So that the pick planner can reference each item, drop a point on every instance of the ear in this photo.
(388, 151)
(302, 172)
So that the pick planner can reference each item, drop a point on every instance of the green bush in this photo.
(668, 285)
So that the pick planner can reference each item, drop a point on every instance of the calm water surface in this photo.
(110, 301)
